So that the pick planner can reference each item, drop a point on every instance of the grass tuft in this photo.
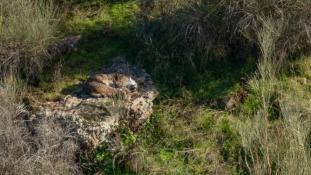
(27, 29)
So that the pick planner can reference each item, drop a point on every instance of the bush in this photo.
(27, 29)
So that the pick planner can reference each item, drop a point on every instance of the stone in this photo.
(302, 81)
(230, 102)
(1, 91)
(93, 118)
(66, 45)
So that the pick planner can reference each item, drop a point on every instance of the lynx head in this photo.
(131, 85)
(124, 81)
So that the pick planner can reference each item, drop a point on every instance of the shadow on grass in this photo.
(96, 48)
(219, 79)
(111, 33)
(105, 35)
(102, 41)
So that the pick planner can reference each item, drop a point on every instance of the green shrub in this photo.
(27, 29)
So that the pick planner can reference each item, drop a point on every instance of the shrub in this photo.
(27, 29)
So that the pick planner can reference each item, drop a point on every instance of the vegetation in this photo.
(49, 150)
(27, 29)
(190, 32)
(199, 53)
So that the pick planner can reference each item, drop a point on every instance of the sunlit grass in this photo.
(104, 35)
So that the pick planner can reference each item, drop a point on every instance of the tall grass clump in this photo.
(195, 31)
(275, 137)
(250, 16)
(27, 29)
(278, 146)
(179, 31)
(47, 149)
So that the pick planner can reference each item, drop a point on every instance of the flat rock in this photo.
(92, 119)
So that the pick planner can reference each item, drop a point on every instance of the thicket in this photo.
(274, 136)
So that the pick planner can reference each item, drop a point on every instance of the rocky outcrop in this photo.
(230, 102)
(65, 45)
(93, 118)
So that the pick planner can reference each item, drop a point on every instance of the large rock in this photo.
(92, 119)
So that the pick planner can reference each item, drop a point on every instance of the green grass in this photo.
(94, 15)
(184, 135)
(178, 139)
(104, 35)
(194, 139)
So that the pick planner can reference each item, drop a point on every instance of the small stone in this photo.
(302, 81)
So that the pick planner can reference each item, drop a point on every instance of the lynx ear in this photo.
(116, 76)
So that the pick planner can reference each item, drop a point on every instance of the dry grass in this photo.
(278, 146)
(250, 15)
(27, 28)
(49, 149)
(295, 153)
(276, 143)
(193, 31)
(303, 66)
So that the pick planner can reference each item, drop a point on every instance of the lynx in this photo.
(109, 85)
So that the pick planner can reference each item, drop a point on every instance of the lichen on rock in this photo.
(93, 118)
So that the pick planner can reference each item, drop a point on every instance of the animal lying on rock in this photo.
(110, 85)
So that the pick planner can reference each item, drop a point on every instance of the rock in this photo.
(92, 119)
(230, 102)
(1, 91)
(66, 45)
(227, 103)
(302, 81)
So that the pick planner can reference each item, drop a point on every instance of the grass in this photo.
(178, 139)
(185, 135)
(47, 149)
(98, 15)
(27, 31)
(104, 35)
(276, 126)
(275, 134)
